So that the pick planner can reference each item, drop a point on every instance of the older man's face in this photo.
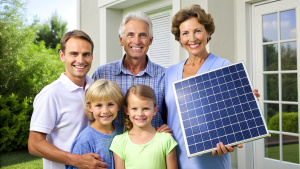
(136, 40)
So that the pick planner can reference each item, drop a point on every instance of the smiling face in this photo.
(104, 112)
(136, 39)
(78, 59)
(140, 111)
(193, 37)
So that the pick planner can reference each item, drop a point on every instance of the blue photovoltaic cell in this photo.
(218, 106)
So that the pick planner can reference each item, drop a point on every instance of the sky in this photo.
(287, 25)
(43, 9)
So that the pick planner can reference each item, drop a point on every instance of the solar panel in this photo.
(218, 106)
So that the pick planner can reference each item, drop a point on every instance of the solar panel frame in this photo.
(203, 111)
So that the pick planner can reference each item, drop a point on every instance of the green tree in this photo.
(15, 39)
(26, 67)
(52, 31)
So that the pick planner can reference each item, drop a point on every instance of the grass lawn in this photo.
(290, 153)
(20, 159)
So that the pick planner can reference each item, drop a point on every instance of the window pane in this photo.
(289, 56)
(270, 27)
(288, 24)
(287, 108)
(290, 149)
(270, 53)
(289, 87)
(290, 118)
(272, 116)
(271, 87)
(272, 147)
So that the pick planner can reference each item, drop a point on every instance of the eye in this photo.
(73, 53)
(130, 35)
(134, 108)
(184, 33)
(111, 104)
(87, 54)
(143, 35)
(99, 105)
(198, 31)
(146, 108)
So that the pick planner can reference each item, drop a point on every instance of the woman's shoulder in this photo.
(220, 61)
(175, 66)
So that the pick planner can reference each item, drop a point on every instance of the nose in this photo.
(192, 37)
(105, 109)
(80, 58)
(139, 112)
(136, 40)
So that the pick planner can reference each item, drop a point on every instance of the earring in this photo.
(208, 39)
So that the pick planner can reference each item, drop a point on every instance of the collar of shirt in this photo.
(149, 69)
(71, 86)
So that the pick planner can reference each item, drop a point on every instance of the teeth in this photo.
(193, 46)
(106, 117)
(136, 48)
(80, 67)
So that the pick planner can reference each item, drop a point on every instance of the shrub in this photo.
(15, 118)
(289, 122)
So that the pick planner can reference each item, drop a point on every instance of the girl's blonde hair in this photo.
(141, 91)
(99, 90)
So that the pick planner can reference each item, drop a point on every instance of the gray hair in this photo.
(136, 16)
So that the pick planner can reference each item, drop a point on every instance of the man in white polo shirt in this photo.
(58, 115)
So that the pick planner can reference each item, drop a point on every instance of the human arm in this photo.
(119, 162)
(39, 146)
(171, 160)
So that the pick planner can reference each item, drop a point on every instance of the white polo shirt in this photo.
(59, 112)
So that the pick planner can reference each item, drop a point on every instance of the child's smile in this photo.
(104, 111)
(140, 111)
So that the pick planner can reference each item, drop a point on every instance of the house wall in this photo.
(88, 21)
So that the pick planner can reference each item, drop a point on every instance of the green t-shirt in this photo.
(151, 155)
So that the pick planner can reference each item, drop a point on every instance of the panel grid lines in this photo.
(218, 106)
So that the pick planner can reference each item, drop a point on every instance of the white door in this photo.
(276, 68)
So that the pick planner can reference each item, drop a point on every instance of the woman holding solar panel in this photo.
(193, 28)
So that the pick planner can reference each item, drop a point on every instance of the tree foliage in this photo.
(26, 67)
(52, 31)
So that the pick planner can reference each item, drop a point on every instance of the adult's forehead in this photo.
(72, 39)
(135, 22)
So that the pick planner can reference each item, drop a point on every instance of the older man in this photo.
(58, 115)
(136, 35)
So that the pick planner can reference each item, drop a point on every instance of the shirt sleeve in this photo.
(44, 114)
(170, 142)
(116, 146)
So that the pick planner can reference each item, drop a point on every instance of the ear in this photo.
(62, 56)
(151, 41)
(155, 110)
(90, 108)
(121, 40)
(125, 110)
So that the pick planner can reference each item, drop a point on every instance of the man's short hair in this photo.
(75, 34)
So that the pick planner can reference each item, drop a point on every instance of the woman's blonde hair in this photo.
(141, 91)
(99, 90)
